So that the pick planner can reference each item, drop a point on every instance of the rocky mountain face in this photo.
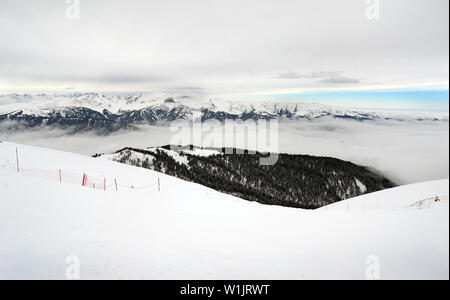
(300, 181)
(72, 119)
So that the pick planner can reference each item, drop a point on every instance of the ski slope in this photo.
(187, 231)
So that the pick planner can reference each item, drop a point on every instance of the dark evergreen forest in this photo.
(300, 181)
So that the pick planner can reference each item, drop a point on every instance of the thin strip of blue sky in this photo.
(423, 100)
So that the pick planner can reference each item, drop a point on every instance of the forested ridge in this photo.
(300, 181)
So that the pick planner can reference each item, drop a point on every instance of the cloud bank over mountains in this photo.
(223, 47)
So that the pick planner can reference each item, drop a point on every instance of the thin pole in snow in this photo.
(60, 177)
(115, 182)
(17, 160)
(159, 185)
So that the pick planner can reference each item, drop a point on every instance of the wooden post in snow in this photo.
(17, 160)
(159, 185)
(115, 182)
(60, 176)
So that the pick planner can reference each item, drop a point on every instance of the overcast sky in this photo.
(224, 47)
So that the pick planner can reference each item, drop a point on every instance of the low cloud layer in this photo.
(406, 152)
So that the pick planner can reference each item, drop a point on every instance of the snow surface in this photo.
(362, 187)
(202, 152)
(176, 155)
(182, 160)
(188, 231)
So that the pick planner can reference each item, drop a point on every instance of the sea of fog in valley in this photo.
(404, 151)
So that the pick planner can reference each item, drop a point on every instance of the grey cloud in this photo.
(224, 46)
(289, 75)
(126, 79)
(119, 78)
(186, 88)
(334, 77)
(337, 78)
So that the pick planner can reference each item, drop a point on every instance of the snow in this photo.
(134, 156)
(178, 157)
(182, 160)
(39, 104)
(362, 187)
(187, 231)
(399, 198)
(202, 152)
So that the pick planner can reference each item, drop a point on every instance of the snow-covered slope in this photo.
(187, 231)
(176, 155)
(414, 196)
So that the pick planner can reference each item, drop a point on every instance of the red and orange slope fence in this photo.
(84, 179)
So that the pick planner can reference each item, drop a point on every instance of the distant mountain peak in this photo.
(169, 100)
(117, 112)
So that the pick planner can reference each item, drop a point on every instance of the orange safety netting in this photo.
(77, 178)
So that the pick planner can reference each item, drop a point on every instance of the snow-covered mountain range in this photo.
(85, 111)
